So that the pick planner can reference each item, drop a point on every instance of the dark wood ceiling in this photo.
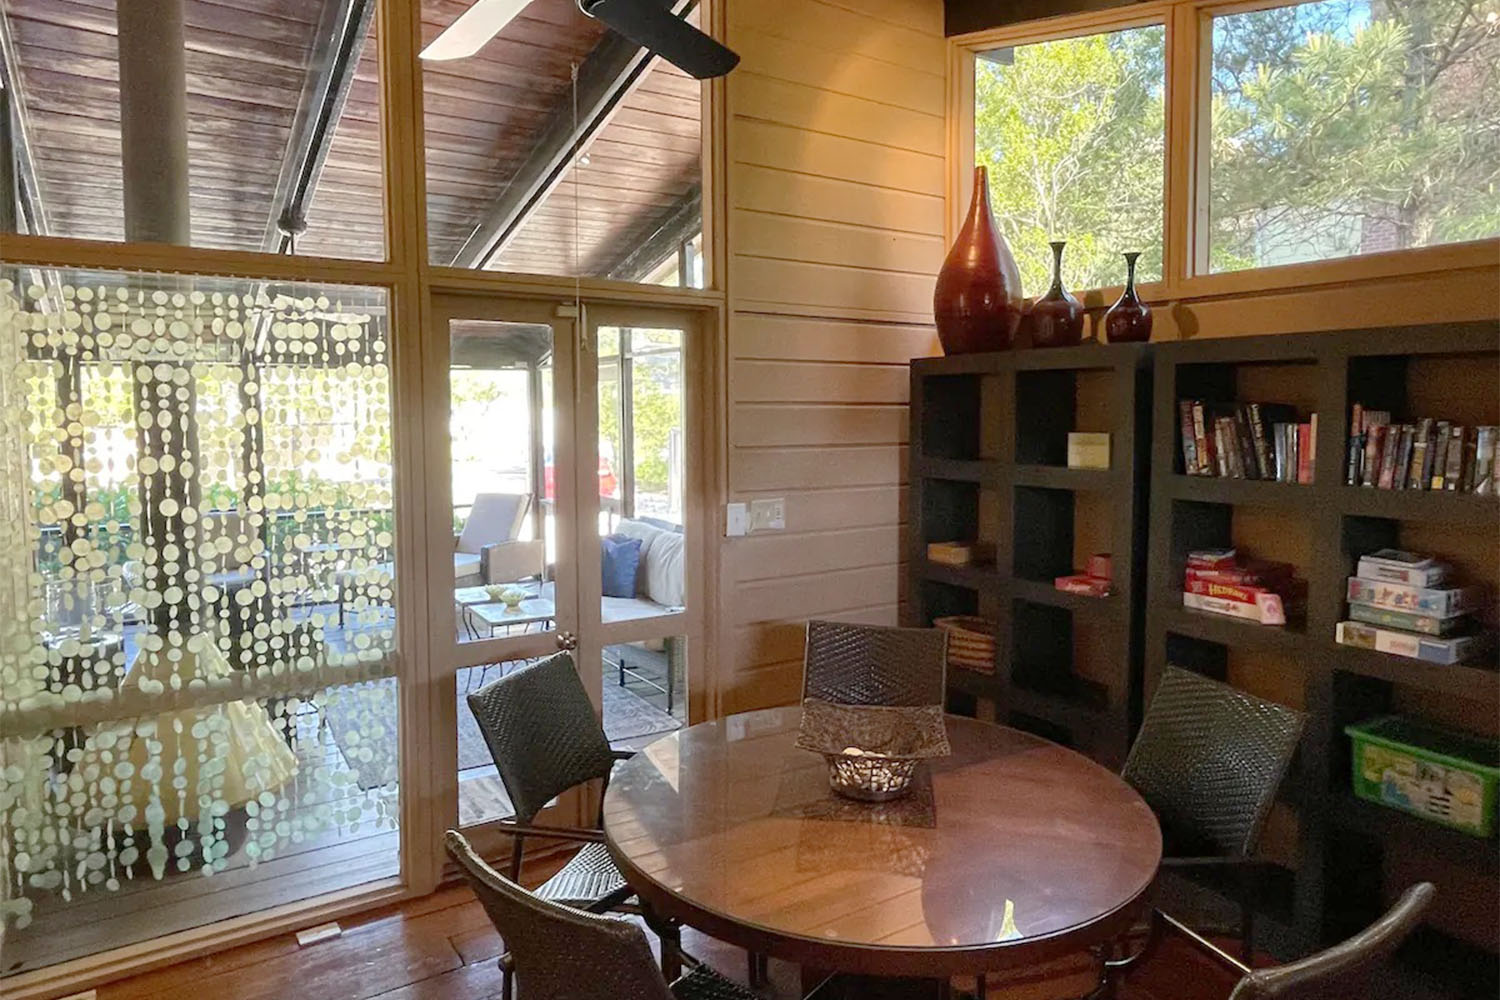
(247, 62)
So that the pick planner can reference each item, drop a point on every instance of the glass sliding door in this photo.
(198, 703)
(503, 582)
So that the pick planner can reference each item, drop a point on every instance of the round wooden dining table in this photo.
(1010, 852)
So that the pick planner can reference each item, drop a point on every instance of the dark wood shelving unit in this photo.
(989, 461)
(1339, 839)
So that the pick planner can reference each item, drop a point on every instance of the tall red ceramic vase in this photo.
(978, 303)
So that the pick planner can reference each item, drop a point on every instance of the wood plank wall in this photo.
(835, 143)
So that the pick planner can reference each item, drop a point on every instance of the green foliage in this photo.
(1338, 127)
(1072, 133)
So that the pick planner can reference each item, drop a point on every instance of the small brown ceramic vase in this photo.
(1128, 320)
(977, 304)
(1056, 319)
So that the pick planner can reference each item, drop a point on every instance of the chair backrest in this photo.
(1346, 969)
(542, 732)
(873, 665)
(1208, 760)
(495, 517)
(559, 953)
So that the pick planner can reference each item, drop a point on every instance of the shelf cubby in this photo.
(1444, 370)
(1044, 520)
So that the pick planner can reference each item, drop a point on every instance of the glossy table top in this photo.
(1011, 851)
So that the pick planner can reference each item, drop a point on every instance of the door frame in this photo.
(575, 381)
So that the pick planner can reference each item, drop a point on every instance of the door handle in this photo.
(567, 641)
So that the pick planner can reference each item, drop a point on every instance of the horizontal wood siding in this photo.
(836, 182)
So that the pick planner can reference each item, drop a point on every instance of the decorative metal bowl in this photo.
(872, 750)
(869, 777)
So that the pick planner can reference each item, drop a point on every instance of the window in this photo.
(276, 108)
(1073, 133)
(1348, 127)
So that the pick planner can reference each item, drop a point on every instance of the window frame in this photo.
(1185, 272)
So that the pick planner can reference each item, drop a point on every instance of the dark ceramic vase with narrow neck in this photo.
(1128, 320)
(977, 303)
(1056, 319)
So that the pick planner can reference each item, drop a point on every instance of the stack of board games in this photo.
(1426, 455)
(1403, 603)
(1247, 441)
(1219, 581)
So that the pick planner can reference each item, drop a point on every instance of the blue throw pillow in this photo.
(621, 558)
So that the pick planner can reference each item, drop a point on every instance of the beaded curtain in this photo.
(196, 552)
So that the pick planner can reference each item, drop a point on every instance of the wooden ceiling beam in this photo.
(671, 229)
(22, 184)
(603, 79)
(340, 42)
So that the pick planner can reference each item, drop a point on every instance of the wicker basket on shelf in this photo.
(971, 642)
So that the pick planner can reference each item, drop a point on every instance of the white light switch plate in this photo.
(736, 520)
(768, 515)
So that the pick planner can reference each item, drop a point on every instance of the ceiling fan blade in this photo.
(652, 25)
(473, 28)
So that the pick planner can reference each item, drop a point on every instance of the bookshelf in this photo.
(1335, 850)
(989, 462)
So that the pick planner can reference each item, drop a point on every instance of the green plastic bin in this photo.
(1442, 775)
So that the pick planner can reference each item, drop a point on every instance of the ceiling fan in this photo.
(649, 23)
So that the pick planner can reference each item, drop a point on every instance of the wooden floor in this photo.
(443, 947)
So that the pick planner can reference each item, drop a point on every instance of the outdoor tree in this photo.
(1337, 127)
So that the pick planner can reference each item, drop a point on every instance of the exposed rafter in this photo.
(340, 44)
(678, 224)
(29, 193)
(604, 78)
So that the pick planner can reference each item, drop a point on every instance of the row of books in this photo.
(1247, 441)
(1221, 582)
(1403, 603)
(1426, 455)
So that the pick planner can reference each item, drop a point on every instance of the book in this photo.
(1246, 439)
(1421, 456)
(1471, 452)
(1222, 451)
(1408, 621)
(1189, 438)
(1202, 435)
(1374, 448)
(1454, 474)
(1265, 610)
(1265, 465)
(1418, 647)
(1403, 456)
(1356, 445)
(1439, 455)
(1304, 453)
(960, 553)
(1397, 566)
(1312, 447)
(1390, 445)
(1484, 461)
(1407, 597)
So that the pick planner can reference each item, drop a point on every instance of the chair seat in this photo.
(589, 876)
(704, 983)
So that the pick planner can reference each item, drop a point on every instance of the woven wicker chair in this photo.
(542, 732)
(1341, 972)
(870, 665)
(559, 953)
(1208, 760)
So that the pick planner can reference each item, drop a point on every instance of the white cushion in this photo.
(660, 575)
(465, 564)
(495, 517)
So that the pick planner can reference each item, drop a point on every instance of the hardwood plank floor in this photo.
(442, 947)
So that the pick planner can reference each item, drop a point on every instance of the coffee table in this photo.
(493, 615)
